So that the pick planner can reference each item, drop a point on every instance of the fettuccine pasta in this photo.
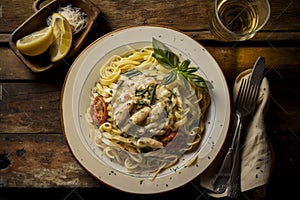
(140, 123)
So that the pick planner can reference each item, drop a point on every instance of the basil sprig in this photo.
(171, 61)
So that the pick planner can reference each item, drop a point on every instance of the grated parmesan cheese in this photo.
(75, 17)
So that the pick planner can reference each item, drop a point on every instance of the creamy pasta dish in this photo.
(139, 122)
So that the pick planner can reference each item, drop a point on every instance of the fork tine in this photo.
(252, 96)
(240, 95)
(255, 95)
(250, 93)
(247, 93)
(247, 96)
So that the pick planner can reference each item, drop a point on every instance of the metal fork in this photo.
(229, 174)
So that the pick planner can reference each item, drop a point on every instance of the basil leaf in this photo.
(169, 77)
(195, 77)
(159, 47)
(200, 84)
(164, 55)
(184, 80)
(191, 70)
(170, 60)
(209, 84)
(173, 58)
(163, 61)
(203, 84)
(184, 65)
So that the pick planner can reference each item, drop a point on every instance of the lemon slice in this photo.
(62, 40)
(36, 43)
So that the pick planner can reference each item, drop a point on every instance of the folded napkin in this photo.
(256, 151)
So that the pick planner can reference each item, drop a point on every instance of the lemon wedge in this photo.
(62, 37)
(36, 43)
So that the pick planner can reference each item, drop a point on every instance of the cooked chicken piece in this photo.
(140, 115)
(149, 142)
(158, 111)
(122, 112)
(162, 92)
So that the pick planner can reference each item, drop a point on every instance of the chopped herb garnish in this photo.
(141, 92)
(150, 90)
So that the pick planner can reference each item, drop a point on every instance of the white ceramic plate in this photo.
(83, 75)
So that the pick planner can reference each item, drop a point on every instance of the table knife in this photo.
(258, 71)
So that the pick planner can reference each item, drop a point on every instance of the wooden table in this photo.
(34, 154)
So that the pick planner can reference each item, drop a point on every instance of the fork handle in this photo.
(220, 183)
(234, 182)
(222, 179)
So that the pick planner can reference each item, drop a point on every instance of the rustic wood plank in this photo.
(232, 58)
(9, 21)
(184, 15)
(4, 38)
(30, 108)
(197, 35)
(12, 68)
(261, 36)
(44, 161)
(41, 161)
(26, 109)
(283, 113)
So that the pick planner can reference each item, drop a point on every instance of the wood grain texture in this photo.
(30, 108)
(180, 14)
(44, 161)
(30, 128)
(41, 161)
(35, 107)
(232, 59)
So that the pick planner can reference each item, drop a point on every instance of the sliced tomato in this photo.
(98, 111)
(168, 138)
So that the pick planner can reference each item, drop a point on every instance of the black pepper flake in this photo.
(257, 167)
(260, 159)
(141, 182)
(256, 176)
(167, 185)
(112, 173)
(208, 157)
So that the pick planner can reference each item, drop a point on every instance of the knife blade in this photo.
(258, 71)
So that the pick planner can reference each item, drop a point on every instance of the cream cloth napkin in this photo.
(256, 152)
